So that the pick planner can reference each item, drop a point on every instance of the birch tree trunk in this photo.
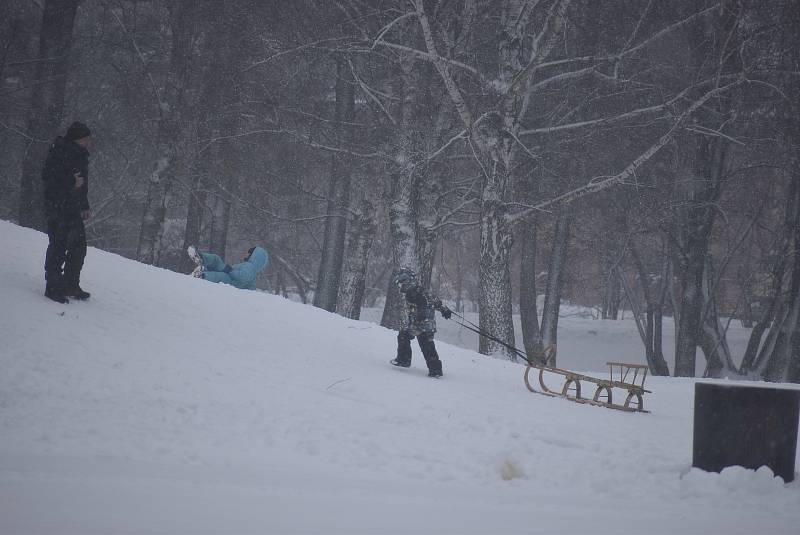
(494, 275)
(402, 220)
(426, 252)
(46, 105)
(403, 209)
(494, 135)
(360, 237)
(496, 140)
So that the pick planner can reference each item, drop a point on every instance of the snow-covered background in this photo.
(170, 405)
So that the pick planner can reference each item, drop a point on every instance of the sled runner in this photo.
(629, 378)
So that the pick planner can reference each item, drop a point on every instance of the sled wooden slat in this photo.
(619, 373)
(623, 371)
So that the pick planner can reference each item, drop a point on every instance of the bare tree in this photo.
(333, 244)
(47, 103)
(170, 138)
(359, 243)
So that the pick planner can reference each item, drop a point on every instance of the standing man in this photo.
(66, 206)
(420, 322)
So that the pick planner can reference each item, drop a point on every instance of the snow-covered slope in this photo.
(170, 405)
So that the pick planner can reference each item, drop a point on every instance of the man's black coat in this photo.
(61, 199)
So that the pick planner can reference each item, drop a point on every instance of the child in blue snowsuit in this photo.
(242, 275)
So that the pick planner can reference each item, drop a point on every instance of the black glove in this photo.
(446, 313)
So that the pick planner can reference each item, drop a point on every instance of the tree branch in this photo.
(299, 137)
(153, 86)
(603, 183)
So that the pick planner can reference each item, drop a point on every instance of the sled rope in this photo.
(476, 329)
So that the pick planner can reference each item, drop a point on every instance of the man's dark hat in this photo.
(78, 130)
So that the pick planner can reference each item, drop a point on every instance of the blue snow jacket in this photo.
(241, 275)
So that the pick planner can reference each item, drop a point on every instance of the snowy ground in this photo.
(170, 405)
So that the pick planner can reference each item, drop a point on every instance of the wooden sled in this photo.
(622, 376)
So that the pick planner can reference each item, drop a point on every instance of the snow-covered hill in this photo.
(170, 405)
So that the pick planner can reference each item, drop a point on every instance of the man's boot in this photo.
(54, 293)
(78, 293)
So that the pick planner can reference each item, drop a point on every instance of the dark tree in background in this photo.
(330, 266)
(638, 159)
(46, 111)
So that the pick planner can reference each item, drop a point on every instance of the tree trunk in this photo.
(659, 365)
(529, 314)
(792, 374)
(782, 258)
(403, 209)
(426, 252)
(194, 215)
(159, 188)
(169, 138)
(495, 276)
(330, 266)
(781, 351)
(714, 53)
(47, 104)
(555, 282)
(612, 296)
(746, 287)
(218, 58)
(494, 135)
(221, 217)
(651, 330)
(691, 307)
(700, 191)
(285, 268)
(459, 281)
(354, 274)
(226, 182)
(781, 348)
(498, 149)
(713, 342)
(402, 216)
